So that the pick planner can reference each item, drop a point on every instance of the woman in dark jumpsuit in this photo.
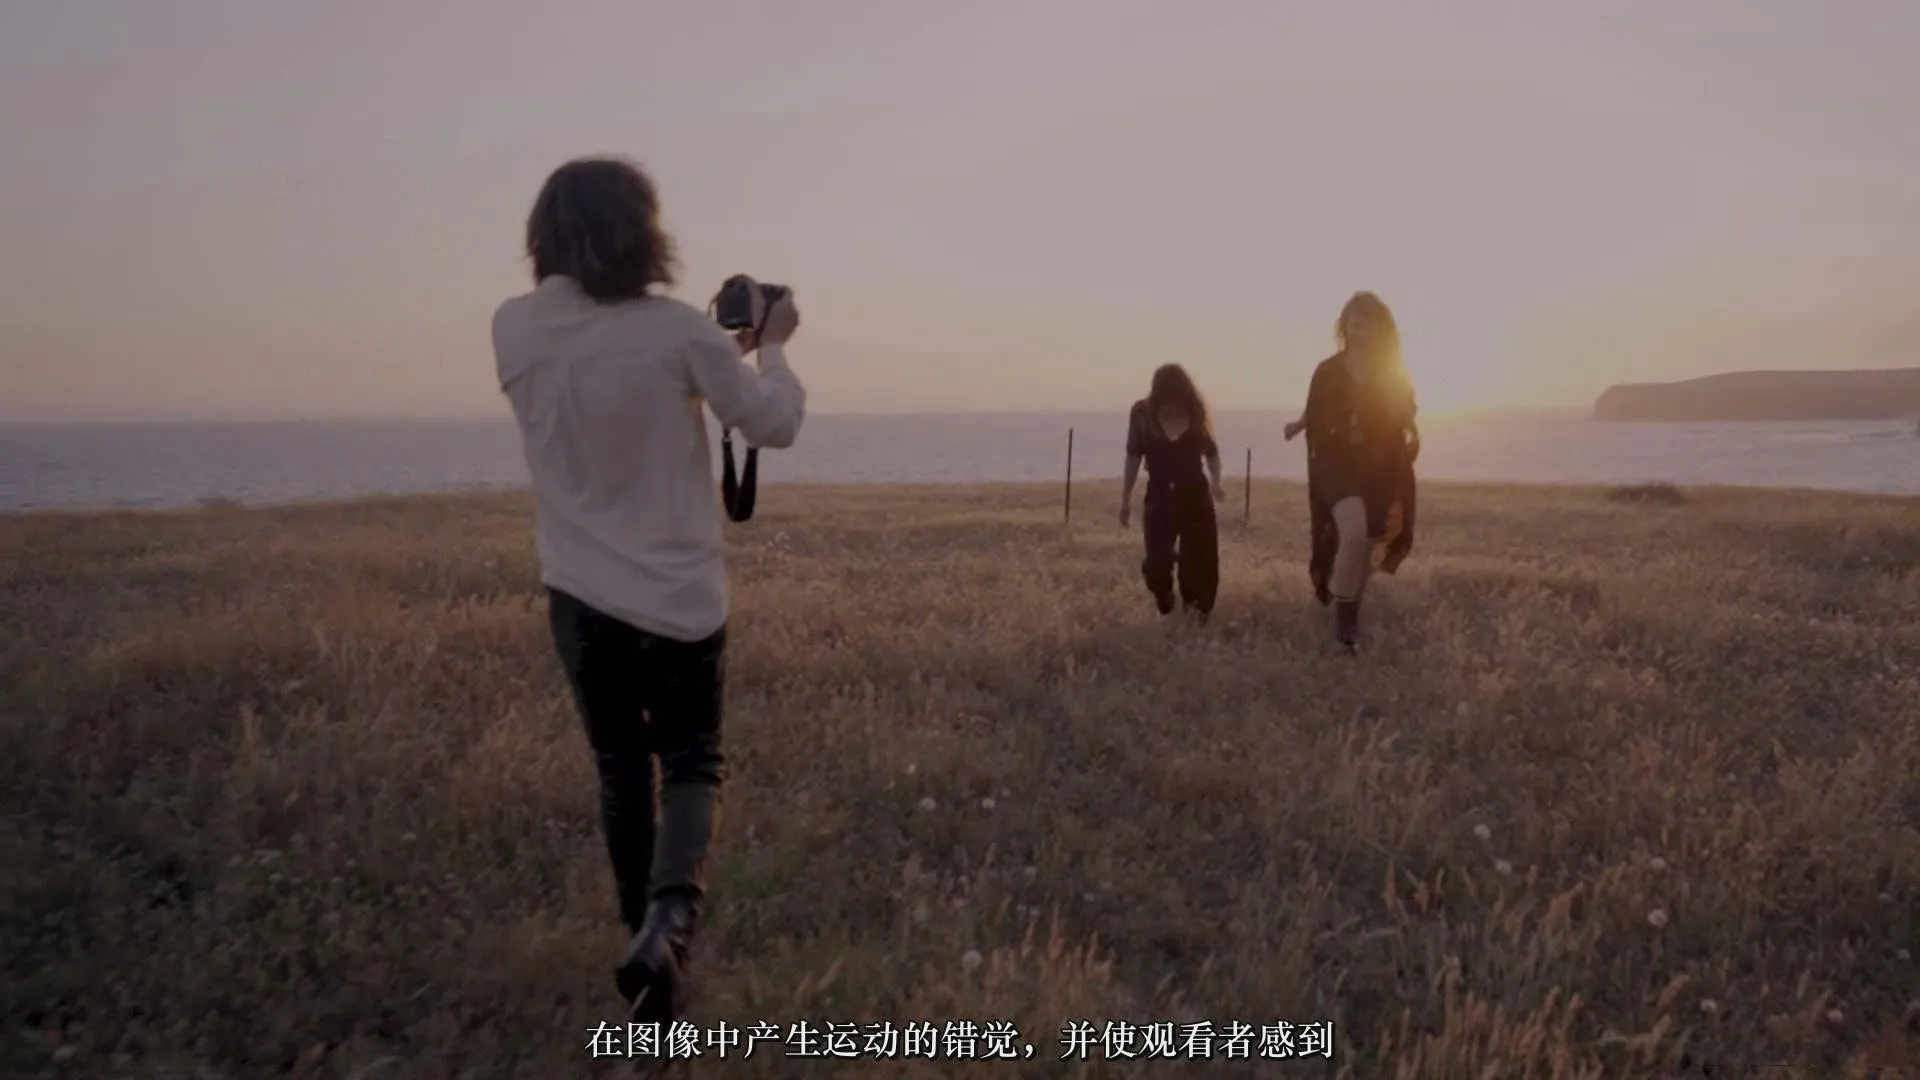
(1171, 432)
(1361, 442)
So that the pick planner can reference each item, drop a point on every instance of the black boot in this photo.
(1346, 625)
(653, 978)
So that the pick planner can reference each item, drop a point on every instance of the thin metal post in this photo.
(1246, 511)
(1066, 513)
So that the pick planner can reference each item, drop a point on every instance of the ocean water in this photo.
(61, 466)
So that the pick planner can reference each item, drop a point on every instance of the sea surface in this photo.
(97, 466)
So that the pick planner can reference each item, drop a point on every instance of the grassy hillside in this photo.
(1620, 787)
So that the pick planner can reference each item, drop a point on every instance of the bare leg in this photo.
(1350, 565)
(1350, 560)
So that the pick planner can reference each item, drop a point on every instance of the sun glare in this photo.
(1455, 361)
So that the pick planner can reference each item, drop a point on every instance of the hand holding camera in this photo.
(758, 314)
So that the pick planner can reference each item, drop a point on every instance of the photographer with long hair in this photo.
(606, 379)
(1171, 432)
(1361, 445)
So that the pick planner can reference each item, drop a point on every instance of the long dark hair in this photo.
(597, 221)
(1173, 386)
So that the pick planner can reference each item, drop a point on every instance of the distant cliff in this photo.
(1890, 394)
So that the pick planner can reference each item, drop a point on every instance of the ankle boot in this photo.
(1346, 624)
(653, 978)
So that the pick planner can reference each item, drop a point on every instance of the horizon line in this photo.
(505, 417)
(471, 417)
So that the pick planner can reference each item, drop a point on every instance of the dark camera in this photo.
(733, 306)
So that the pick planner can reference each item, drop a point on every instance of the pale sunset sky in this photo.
(218, 209)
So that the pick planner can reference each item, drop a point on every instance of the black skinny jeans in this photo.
(643, 696)
(1182, 535)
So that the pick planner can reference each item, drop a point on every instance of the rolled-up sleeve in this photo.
(767, 407)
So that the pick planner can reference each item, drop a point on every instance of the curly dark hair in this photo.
(597, 221)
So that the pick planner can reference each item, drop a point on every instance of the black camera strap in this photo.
(738, 494)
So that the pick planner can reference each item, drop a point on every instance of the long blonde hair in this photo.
(1377, 343)
(1379, 340)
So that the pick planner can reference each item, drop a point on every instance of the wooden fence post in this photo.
(1066, 513)
(1246, 509)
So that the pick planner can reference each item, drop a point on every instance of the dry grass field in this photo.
(1619, 788)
